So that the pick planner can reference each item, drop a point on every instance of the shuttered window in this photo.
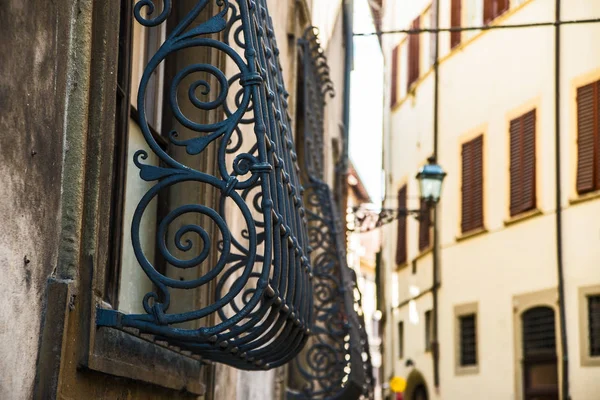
(414, 57)
(493, 9)
(472, 185)
(428, 330)
(594, 324)
(395, 64)
(588, 138)
(400, 339)
(522, 163)
(401, 239)
(424, 226)
(468, 340)
(455, 22)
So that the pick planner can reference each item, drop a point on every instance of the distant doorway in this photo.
(420, 393)
(540, 361)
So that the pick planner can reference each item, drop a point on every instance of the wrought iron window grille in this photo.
(258, 265)
(336, 362)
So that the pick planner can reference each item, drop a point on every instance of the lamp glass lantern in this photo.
(431, 177)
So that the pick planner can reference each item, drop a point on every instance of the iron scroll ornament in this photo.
(336, 362)
(260, 273)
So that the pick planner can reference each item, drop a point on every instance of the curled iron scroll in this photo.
(336, 361)
(249, 247)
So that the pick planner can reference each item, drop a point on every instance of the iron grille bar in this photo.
(259, 262)
(336, 362)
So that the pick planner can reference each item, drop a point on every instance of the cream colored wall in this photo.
(495, 77)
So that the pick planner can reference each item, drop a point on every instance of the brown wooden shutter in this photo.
(528, 171)
(522, 163)
(502, 6)
(414, 53)
(467, 177)
(425, 227)
(477, 202)
(455, 22)
(587, 133)
(395, 74)
(401, 255)
(488, 11)
(516, 184)
(472, 185)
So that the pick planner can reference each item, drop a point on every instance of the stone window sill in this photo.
(585, 197)
(471, 234)
(523, 217)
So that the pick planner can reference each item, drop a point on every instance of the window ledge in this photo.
(589, 361)
(470, 370)
(424, 253)
(585, 197)
(401, 266)
(120, 353)
(471, 234)
(523, 217)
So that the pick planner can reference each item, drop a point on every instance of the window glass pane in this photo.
(594, 324)
(134, 284)
(543, 376)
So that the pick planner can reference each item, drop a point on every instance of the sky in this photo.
(366, 103)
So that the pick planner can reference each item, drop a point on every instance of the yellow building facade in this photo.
(500, 282)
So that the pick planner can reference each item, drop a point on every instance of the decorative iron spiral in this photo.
(253, 242)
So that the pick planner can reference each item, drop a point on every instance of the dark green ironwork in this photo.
(336, 362)
(261, 314)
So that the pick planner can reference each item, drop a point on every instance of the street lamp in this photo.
(431, 177)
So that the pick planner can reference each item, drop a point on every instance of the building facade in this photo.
(156, 242)
(496, 294)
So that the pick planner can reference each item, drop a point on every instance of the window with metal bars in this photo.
(401, 253)
(492, 9)
(468, 340)
(414, 54)
(522, 163)
(472, 185)
(594, 324)
(588, 138)
(539, 333)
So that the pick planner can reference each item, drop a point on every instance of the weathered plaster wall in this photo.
(32, 92)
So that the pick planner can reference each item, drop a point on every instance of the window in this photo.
(424, 227)
(126, 282)
(468, 340)
(540, 361)
(522, 164)
(589, 325)
(493, 9)
(400, 339)
(455, 22)
(414, 57)
(395, 65)
(401, 254)
(466, 353)
(588, 138)
(472, 185)
(428, 330)
(594, 324)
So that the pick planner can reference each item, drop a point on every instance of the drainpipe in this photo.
(436, 237)
(348, 22)
(559, 241)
